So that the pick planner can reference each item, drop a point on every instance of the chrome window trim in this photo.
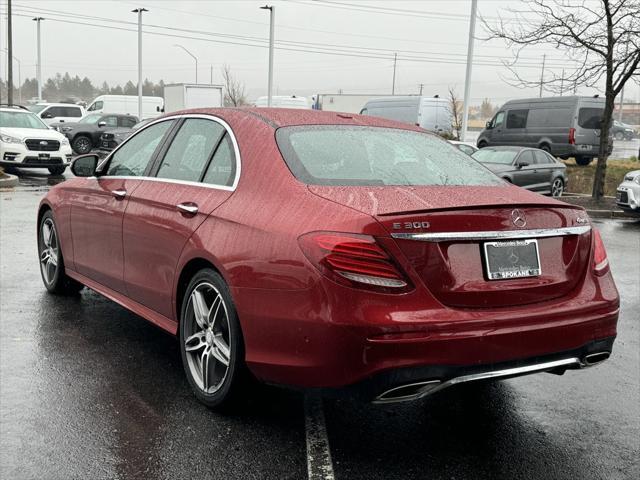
(225, 125)
(493, 235)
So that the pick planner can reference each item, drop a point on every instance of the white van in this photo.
(284, 101)
(430, 113)
(58, 112)
(127, 105)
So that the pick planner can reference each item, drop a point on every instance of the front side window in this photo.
(95, 106)
(487, 155)
(498, 121)
(517, 118)
(590, 118)
(110, 121)
(190, 150)
(133, 157)
(91, 119)
(21, 120)
(359, 155)
(526, 157)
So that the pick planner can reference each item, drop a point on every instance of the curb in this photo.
(610, 214)
(9, 181)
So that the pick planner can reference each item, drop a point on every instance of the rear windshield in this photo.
(486, 155)
(359, 155)
(590, 117)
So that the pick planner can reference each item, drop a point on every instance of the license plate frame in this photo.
(496, 270)
(585, 147)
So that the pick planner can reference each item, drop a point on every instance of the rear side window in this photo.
(590, 117)
(133, 157)
(127, 122)
(72, 112)
(517, 118)
(542, 158)
(191, 150)
(360, 155)
(549, 117)
(222, 169)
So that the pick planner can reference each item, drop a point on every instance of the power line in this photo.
(287, 45)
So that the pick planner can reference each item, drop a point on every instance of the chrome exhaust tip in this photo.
(595, 358)
(408, 392)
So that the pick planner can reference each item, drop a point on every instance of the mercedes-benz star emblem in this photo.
(518, 218)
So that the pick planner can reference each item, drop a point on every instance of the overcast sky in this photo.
(430, 38)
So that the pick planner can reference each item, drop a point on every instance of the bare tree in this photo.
(234, 94)
(600, 40)
(455, 107)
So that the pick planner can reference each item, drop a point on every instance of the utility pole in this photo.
(467, 77)
(139, 11)
(562, 83)
(272, 15)
(9, 55)
(19, 77)
(39, 64)
(544, 58)
(421, 85)
(393, 85)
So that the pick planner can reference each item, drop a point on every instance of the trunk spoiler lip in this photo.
(562, 205)
(493, 235)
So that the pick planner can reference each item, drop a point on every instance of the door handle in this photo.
(119, 194)
(188, 208)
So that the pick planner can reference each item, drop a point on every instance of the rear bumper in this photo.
(408, 384)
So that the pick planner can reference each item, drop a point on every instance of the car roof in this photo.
(282, 117)
(59, 104)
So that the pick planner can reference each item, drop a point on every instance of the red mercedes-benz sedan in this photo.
(329, 251)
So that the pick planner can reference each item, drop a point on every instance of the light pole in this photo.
(272, 15)
(192, 55)
(467, 78)
(19, 77)
(39, 62)
(10, 54)
(139, 11)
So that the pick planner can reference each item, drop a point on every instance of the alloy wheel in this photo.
(207, 337)
(49, 253)
(557, 188)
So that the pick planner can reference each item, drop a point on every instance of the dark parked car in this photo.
(531, 168)
(111, 138)
(328, 251)
(622, 131)
(85, 134)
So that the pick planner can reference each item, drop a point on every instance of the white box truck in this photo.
(430, 113)
(180, 96)
(127, 105)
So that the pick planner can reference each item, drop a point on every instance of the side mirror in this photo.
(488, 125)
(85, 165)
(521, 163)
(102, 124)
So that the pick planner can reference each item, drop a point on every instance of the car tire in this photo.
(583, 161)
(82, 144)
(210, 331)
(557, 187)
(619, 136)
(51, 261)
(57, 170)
(482, 144)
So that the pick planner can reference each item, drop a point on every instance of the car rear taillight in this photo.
(353, 260)
(572, 136)
(600, 261)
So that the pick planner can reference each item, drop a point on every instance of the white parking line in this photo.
(319, 464)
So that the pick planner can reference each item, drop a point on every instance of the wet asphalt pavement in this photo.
(91, 391)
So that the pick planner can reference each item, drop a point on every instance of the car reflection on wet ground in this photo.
(89, 390)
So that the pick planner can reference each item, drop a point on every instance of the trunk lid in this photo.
(441, 232)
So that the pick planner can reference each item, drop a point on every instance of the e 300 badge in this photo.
(411, 225)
